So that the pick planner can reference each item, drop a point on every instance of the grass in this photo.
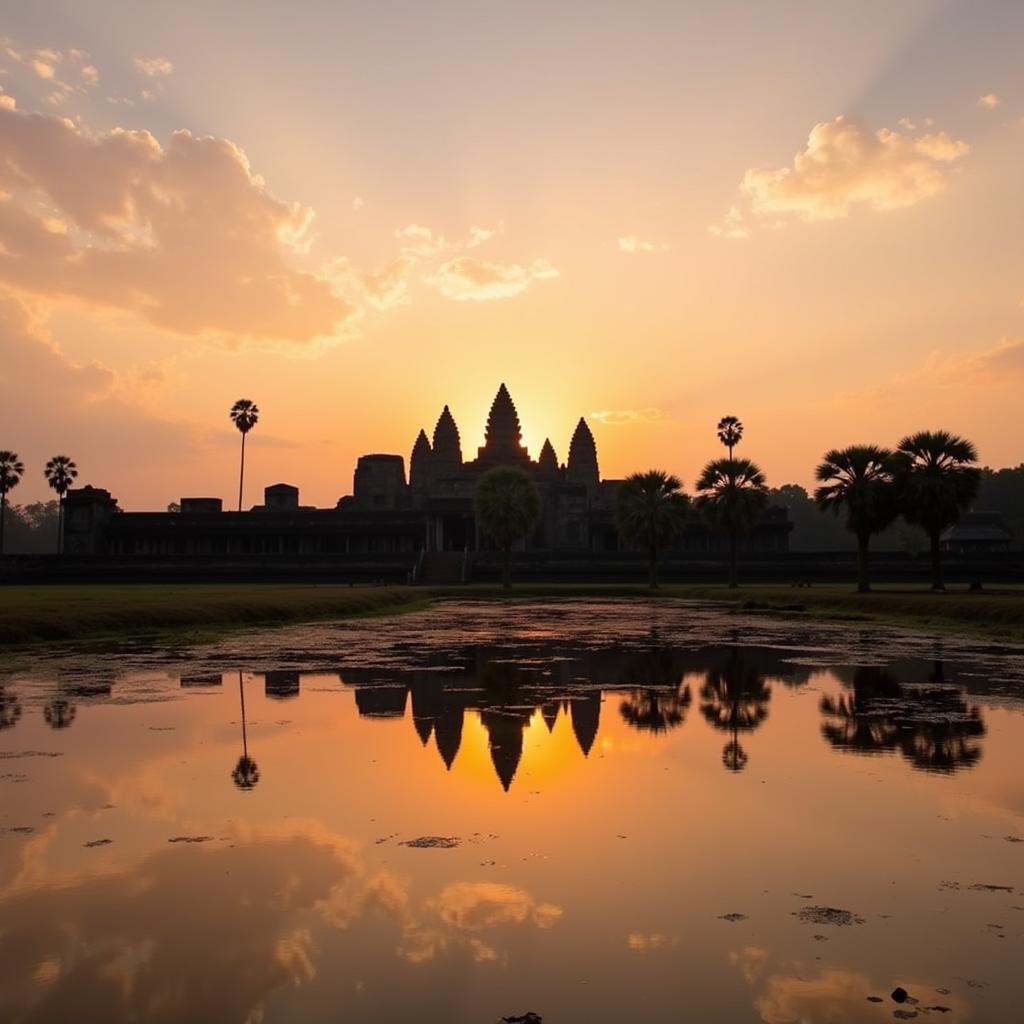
(195, 611)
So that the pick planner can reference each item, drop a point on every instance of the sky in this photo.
(805, 214)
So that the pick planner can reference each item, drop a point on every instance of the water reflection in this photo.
(734, 699)
(246, 772)
(930, 724)
(10, 708)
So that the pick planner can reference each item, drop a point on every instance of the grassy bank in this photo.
(79, 612)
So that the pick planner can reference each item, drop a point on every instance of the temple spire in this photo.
(547, 462)
(503, 442)
(419, 465)
(447, 454)
(582, 467)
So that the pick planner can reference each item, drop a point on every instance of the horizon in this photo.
(641, 217)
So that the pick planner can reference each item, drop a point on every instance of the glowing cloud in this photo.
(843, 166)
(632, 244)
(188, 237)
(153, 67)
(989, 101)
(619, 417)
(467, 279)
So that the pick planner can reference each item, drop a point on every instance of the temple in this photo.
(391, 525)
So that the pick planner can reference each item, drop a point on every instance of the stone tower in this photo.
(582, 467)
(420, 466)
(447, 455)
(503, 443)
(547, 462)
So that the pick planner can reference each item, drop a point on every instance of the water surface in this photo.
(595, 811)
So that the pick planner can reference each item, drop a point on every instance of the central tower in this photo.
(503, 444)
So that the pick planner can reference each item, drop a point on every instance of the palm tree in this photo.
(650, 510)
(60, 473)
(507, 507)
(246, 772)
(732, 494)
(244, 414)
(730, 432)
(11, 468)
(936, 479)
(859, 480)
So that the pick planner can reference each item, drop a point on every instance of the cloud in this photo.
(90, 75)
(186, 236)
(382, 289)
(733, 225)
(632, 244)
(1001, 364)
(619, 417)
(989, 101)
(153, 67)
(465, 278)
(844, 166)
(358, 203)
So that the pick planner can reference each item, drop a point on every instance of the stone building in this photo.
(390, 518)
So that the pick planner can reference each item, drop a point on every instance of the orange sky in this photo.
(809, 217)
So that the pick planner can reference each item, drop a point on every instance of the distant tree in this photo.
(507, 507)
(936, 479)
(732, 494)
(858, 481)
(11, 468)
(650, 509)
(60, 473)
(174, 506)
(656, 710)
(245, 415)
(1002, 491)
(730, 432)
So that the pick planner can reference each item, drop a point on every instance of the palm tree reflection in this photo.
(59, 712)
(246, 773)
(931, 725)
(10, 709)
(734, 699)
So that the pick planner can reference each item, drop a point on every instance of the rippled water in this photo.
(594, 811)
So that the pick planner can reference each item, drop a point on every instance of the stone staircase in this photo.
(441, 568)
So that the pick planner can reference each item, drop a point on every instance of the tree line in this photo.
(929, 479)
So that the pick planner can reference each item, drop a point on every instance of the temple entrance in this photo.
(456, 533)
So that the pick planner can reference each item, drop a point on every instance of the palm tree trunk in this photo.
(241, 474)
(241, 694)
(732, 560)
(936, 561)
(60, 523)
(653, 574)
(863, 580)
(3, 517)
(506, 575)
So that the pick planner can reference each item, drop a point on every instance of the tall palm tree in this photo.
(11, 468)
(730, 432)
(936, 479)
(60, 473)
(244, 414)
(246, 772)
(650, 509)
(732, 494)
(507, 507)
(859, 480)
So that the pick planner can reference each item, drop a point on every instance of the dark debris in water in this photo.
(191, 839)
(732, 917)
(433, 843)
(827, 915)
(97, 842)
(988, 887)
(526, 1018)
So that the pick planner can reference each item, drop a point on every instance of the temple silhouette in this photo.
(393, 525)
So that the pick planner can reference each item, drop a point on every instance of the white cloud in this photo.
(623, 417)
(465, 278)
(843, 166)
(153, 67)
(989, 101)
(732, 225)
(358, 203)
(632, 244)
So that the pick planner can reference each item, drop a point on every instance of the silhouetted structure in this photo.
(388, 517)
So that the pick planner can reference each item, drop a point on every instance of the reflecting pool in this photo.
(592, 811)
